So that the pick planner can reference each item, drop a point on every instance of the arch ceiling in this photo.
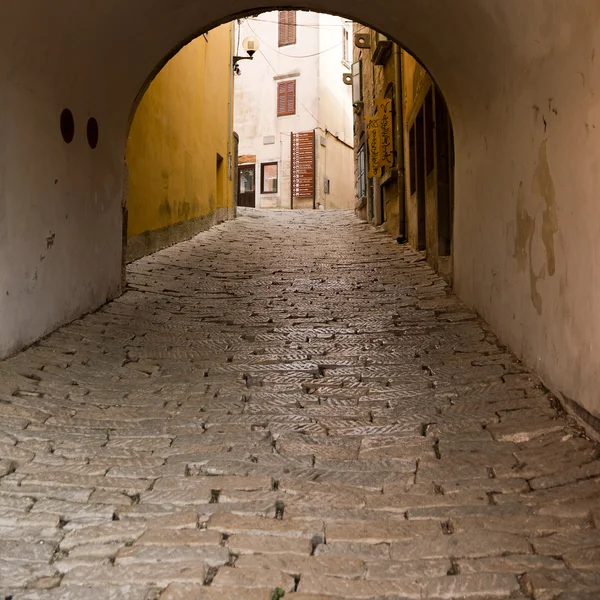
(521, 80)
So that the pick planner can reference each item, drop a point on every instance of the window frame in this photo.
(346, 49)
(286, 112)
(361, 175)
(262, 177)
(357, 82)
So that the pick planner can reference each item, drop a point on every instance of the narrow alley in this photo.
(289, 402)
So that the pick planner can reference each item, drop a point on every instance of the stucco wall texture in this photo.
(523, 88)
(180, 128)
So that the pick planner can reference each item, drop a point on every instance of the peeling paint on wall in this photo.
(536, 298)
(543, 187)
(50, 240)
(525, 228)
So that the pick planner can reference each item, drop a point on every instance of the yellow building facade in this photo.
(180, 151)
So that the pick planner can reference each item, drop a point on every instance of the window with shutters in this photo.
(286, 98)
(357, 84)
(362, 172)
(346, 48)
(287, 27)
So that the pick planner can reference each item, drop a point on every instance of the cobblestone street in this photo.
(290, 402)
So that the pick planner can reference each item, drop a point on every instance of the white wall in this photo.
(323, 100)
(521, 158)
(335, 97)
(336, 158)
(335, 161)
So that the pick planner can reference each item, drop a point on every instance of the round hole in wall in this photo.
(67, 125)
(92, 132)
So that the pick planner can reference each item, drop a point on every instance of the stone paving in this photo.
(289, 403)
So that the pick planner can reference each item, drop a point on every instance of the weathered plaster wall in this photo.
(176, 186)
(521, 80)
(335, 162)
(416, 82)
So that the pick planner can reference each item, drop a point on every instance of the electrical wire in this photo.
(291, 55)
(318, 26)
(297, 99)
(322, 127)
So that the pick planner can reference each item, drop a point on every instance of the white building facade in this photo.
(293, 112)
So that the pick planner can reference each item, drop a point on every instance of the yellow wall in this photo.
(416, 82)
(180, 126)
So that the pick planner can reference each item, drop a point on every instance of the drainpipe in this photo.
(399, 100)
(230, 124)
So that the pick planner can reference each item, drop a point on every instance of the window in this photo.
(357, 95)
(268, 178)
(361, 158)
(345, 45)
(287, 27)
(286, 98)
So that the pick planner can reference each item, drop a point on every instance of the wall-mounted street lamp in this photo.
(250, 45)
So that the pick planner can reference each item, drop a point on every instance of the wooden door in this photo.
(247, 185)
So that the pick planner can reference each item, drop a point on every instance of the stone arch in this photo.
(515, 75)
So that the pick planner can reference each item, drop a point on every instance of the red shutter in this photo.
(283, 27)
(291, 98)
(286, 98)
(281, 98)
(287, 27)
(292, 27)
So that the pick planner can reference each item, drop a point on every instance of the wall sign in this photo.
(380, 137)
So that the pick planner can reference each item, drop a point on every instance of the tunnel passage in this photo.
(520, 82)
(332, 422)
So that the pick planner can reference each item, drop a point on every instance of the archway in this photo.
(518, 79)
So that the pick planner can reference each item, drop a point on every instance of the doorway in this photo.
(247, 185)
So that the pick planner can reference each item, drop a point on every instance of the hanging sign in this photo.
(374, 143)
(386, 134)
(380, 137)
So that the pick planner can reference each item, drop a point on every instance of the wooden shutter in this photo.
(287, 27)
(291, 98)
(283, 19)
(286, 98)
(357, 94)
(345, 45)
(292, 27)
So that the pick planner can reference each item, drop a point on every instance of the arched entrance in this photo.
(519, 81)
